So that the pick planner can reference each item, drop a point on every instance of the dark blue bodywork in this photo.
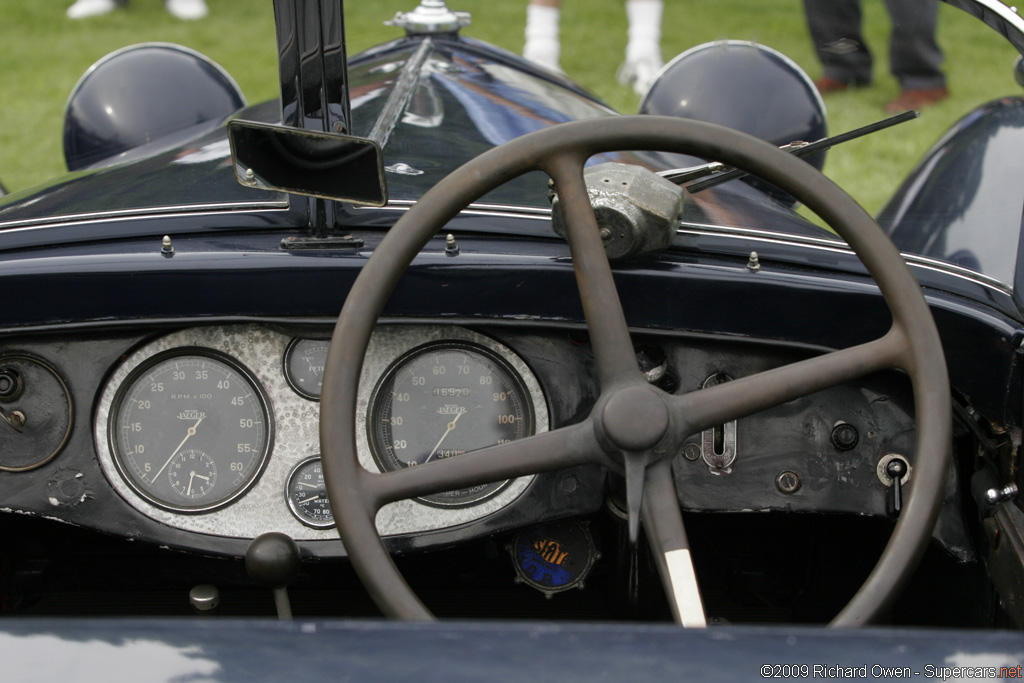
(95, 281)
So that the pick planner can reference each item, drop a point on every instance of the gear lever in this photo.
(273, 561)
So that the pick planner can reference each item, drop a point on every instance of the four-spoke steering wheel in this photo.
(633, 428)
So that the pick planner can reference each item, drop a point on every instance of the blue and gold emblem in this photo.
(554, 557)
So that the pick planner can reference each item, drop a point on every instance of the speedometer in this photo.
(190, 430)
(442, 400)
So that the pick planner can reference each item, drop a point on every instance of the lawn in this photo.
(44, 54)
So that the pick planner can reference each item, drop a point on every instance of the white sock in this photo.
(644, 29)
(542, 44)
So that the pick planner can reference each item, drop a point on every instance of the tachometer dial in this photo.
(307, 494)
(190, 430)
(442, 400)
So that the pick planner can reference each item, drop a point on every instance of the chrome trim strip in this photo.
(765, 236)
(475, 209)
(842, 248)
(130, 214)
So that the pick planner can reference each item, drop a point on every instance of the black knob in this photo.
(272, 560)
(844, 436)
(11, 384)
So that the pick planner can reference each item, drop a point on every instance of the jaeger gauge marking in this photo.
(190, 430)
(442, 400)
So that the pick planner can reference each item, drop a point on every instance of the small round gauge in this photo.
(190, 430)
(304, 361)
(442, 400)
(307, 494)
(192, 474)
(36, 413)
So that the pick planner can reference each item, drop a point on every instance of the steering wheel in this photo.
(633, 428)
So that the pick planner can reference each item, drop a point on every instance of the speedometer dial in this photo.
(443, 400)
(190, 430)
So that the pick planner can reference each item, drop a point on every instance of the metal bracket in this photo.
(718, 444)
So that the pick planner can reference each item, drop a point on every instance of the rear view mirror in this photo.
(326, 165)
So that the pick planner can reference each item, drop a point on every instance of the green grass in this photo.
(44, 54)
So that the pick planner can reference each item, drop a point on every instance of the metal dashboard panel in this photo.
(264, 507)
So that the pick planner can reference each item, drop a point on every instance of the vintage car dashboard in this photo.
(203, 437)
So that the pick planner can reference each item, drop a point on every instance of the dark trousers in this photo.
(914, 54)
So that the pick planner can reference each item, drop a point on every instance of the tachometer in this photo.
(442, 400)
(190, 430)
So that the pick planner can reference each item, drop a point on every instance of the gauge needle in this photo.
(191, 476)
(190, 434)
(451, 426)
(309, 500)
(308, 486)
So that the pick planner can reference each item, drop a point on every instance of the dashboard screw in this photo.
(788, 482)
(691, 452)
(754, 263)
(166, 248)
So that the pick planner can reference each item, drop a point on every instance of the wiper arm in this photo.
(721, 173)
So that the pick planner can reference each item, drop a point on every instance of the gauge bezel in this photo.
(376, 449)
(291, 503)
(147, 366)
(289, 350)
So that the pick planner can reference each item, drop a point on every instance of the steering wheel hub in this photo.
(635, 418)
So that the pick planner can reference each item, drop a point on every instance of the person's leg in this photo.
(542, 46)
(187, 9)
(914, 53)
(82, 9)
(835, 28)
(643, 49)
